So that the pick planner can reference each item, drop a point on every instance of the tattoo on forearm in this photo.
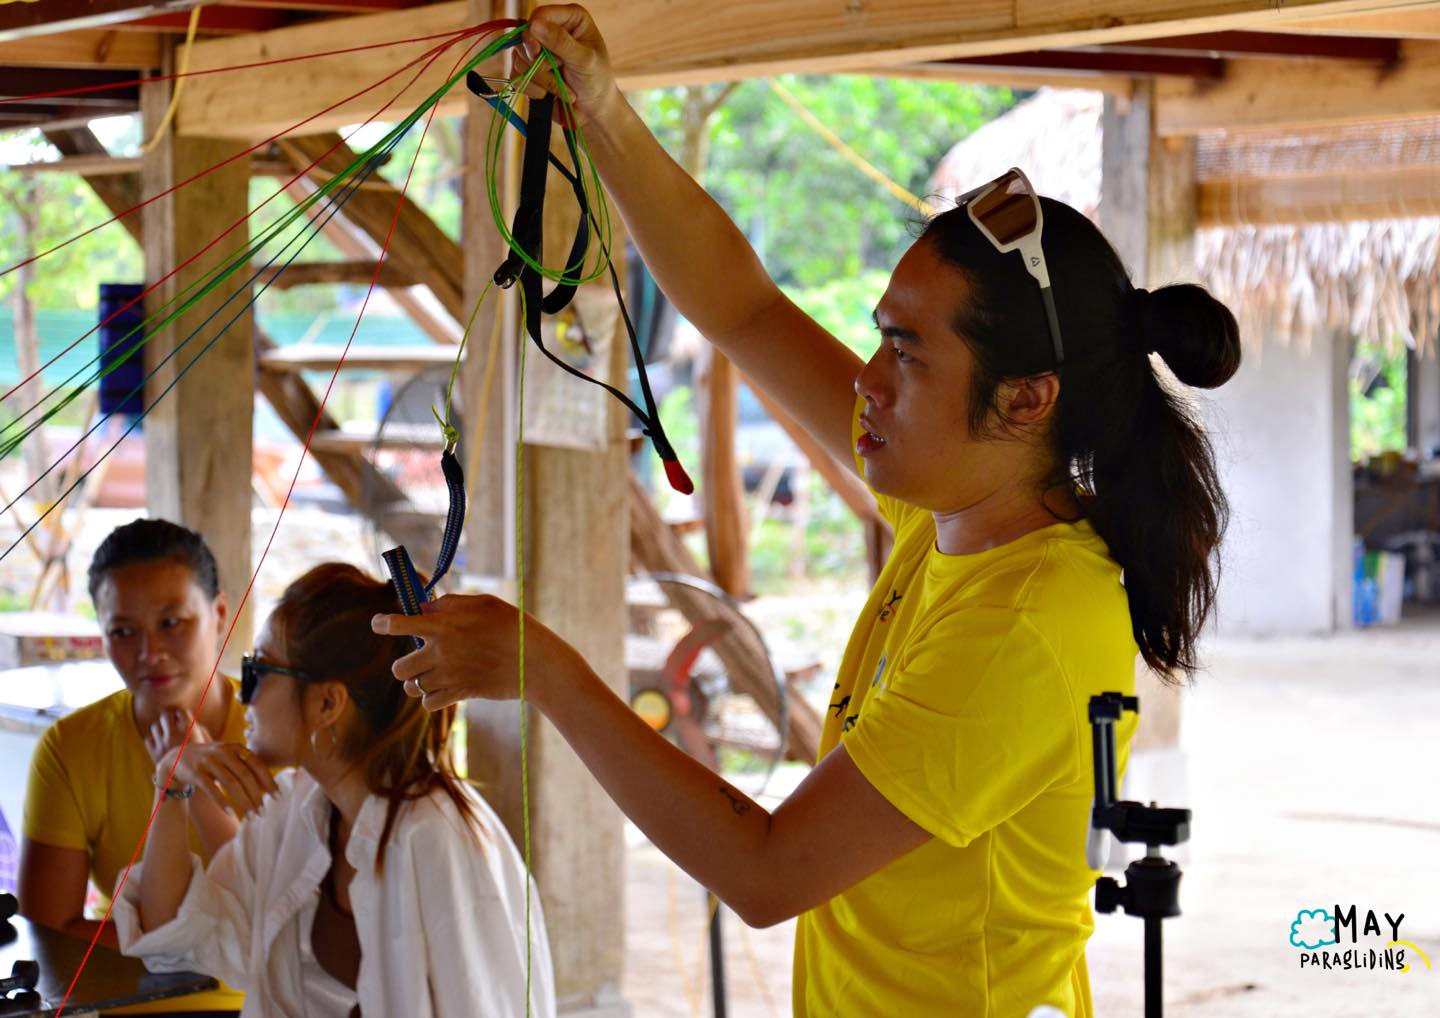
(737, 803)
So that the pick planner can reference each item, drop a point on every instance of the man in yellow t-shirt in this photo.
(963, 698)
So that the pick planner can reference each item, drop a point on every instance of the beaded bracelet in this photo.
(172, 792)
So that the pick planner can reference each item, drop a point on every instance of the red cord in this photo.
(433, 53)
(319, 415)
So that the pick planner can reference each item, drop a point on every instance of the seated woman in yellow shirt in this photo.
(1055, 510)
(162, 614)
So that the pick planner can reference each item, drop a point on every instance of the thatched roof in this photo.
(1377, 278)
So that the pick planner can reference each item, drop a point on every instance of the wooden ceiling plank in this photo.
(1423, 23)
(329, 6)
(46, 81)
(216, 20)
(1004, 77)
(1253, 96)
(1140, 65)
(746, 38)
(93, 47)
(1279, 45)
(23, 21)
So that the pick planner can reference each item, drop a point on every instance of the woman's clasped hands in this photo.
(228, 772)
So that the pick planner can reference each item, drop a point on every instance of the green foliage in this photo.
(811, 214)
(1378, 421)
(60, 206)
(844, 307)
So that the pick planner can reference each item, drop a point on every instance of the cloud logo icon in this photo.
(1312, 928)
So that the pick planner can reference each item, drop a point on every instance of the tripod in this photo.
(1152, 888)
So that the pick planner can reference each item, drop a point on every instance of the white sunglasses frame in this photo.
(1028, 245)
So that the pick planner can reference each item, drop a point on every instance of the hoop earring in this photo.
(314, 745)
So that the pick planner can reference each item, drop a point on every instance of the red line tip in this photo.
(679, 479)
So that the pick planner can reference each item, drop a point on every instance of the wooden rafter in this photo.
(1278, 45)
(1410, 23)
(214, 20)
(416, 246)
(1252, 95)
(720, 41)
(339, 232)
(94, 47)
(358, 273)
(20, 21)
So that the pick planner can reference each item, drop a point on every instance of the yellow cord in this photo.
(179, 82)
(854, 158)
(520, 604)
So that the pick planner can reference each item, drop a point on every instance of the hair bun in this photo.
(1194, 333)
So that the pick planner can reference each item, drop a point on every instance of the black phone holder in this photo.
(1152, 883)
(17, 990)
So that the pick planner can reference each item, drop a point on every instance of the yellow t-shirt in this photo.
(90, 789)
(963, 699)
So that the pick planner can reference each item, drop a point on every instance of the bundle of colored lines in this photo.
(284, 241)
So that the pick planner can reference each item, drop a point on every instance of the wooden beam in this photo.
(1147, 193)
(214, 20)
(198, 451)
(432, 319)
(719, 42)
(1411, 23)
(416, 245)
(360, 357)
(1377, 192)
(94, 47)
(1102, 61)
(1006, 77)
(1252, 95)
(722, 492)
(363, 486)
(23, 21)
(330, 273)
(103, 164)
(112, 88)
(1277, 45)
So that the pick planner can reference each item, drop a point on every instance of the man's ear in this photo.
(1028, 402)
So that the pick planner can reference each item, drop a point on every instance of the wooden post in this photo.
(1148, 211)
(722, 493)
(198, 436)
(575, 556)
(1147, 192)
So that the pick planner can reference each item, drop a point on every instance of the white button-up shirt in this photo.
(442, 929)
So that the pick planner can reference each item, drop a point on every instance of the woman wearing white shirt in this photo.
(375, 880)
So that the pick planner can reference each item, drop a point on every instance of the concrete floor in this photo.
(1314, 776)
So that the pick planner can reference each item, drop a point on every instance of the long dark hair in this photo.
(1123, 436)
(323, 624)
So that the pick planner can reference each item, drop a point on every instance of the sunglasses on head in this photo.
(251, 668)
(1007, 212)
